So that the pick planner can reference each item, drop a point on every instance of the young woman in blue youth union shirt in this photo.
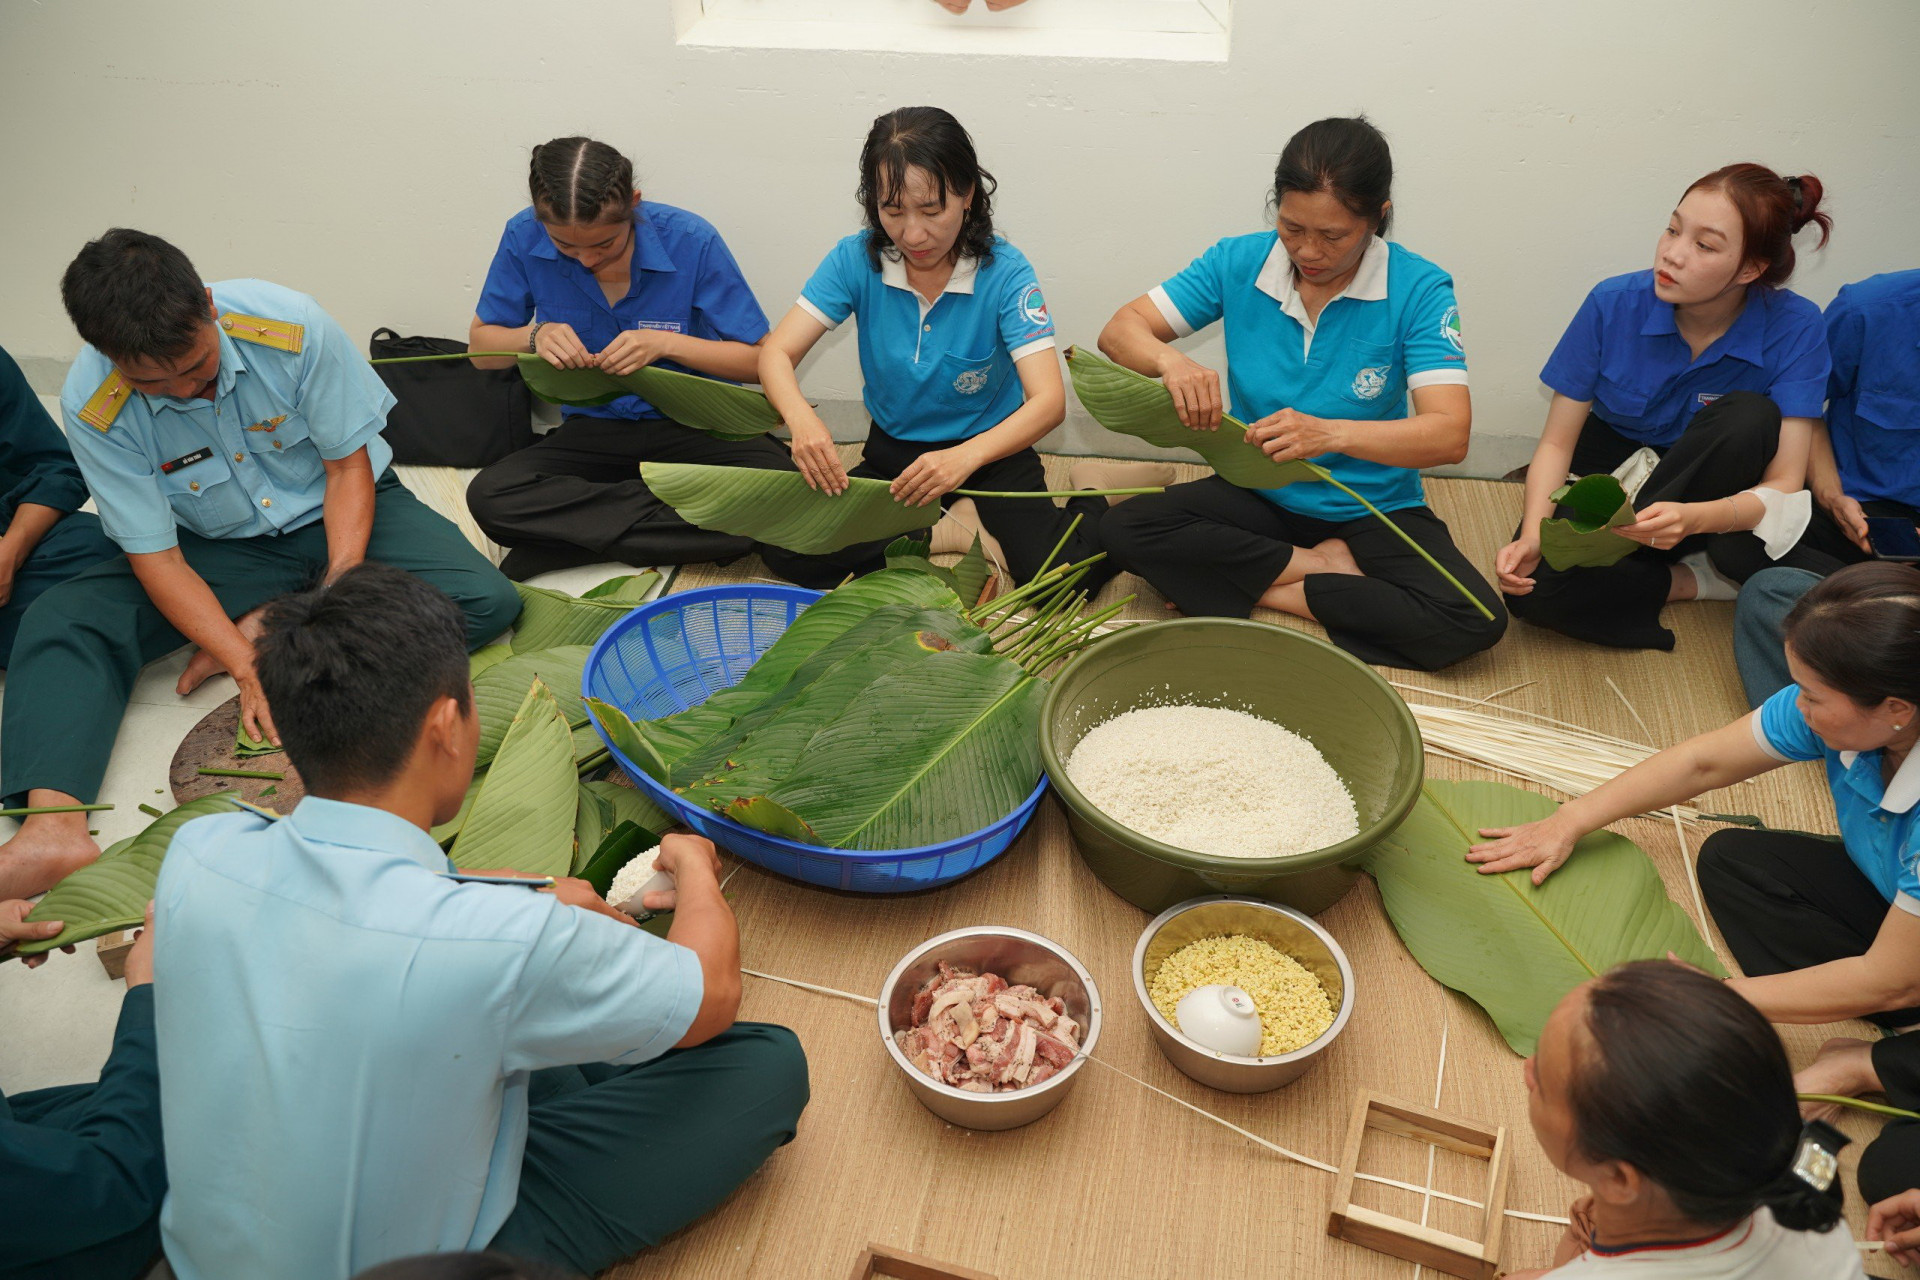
(590, 277)
(956, 353)
(1708, 363)
(1330, 330)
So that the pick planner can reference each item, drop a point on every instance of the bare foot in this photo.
(1336, 557)
(203, 666)
(1844, 1066)
(46, 849)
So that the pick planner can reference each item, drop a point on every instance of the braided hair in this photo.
(579, 181)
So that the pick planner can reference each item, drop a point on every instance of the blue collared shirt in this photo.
(1877, 818)
(936, 371)
(1873, 398)
(1395, 328)
(682, 280)
(1624, 354)
(246, 463)
(346, 1038)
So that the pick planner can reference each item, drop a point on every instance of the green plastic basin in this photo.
(1337, 702)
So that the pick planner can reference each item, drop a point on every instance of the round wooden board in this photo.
(209, 745)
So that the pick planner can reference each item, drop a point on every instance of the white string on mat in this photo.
(1274, 1147)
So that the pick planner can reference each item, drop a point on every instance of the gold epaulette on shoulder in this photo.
(108, 399)
(281, 335)
(257, 811)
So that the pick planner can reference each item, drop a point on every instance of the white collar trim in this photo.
(893, 272)
(1276, 279)
(1903, 792)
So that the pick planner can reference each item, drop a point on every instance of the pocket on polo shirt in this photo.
(1372, 374)
(1625, 401)
(1889, 408)
(968, 383)
(282, 447)
(206, 498)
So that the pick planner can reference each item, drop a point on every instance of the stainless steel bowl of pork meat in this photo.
(989, 1052)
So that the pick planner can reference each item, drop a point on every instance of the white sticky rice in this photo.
(1214, 781)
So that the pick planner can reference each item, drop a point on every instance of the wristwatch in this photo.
(533, 335)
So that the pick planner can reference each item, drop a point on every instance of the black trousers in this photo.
(1214, 549)
(1787, 900)
(1027, 528)
(1725, 449)
(575, 496)
(1891, 1162)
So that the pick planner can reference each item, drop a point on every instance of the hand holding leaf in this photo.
(1661, 525)
(1196, 393)
(561, 347)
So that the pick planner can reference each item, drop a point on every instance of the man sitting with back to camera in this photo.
(364, 1057)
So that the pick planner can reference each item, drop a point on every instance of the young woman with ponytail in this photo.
(1670, 1098)
(589, 276)
(1703, 377)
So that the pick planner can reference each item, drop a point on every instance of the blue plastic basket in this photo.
(675, 653)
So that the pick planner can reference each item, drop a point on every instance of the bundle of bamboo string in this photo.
(1528, 745)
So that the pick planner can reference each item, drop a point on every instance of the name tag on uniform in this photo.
(664, 326)
(1705, 398)
(185, 460)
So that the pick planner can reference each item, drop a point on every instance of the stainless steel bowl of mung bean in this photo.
(1298, 977)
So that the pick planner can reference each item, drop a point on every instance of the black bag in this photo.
(450, 414)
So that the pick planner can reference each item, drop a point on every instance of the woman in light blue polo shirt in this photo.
(956, 353)
(588, 276)
(1330, 331)
(1706, 377)
(1824, 929)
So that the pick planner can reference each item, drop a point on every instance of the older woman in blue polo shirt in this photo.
(590, 277)
(1330, 331)
(956, 353)
(1706, 376)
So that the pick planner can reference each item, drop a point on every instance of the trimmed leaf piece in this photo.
(973, 574)
(722, 409)
(775, 819)
(944, 747)
(631, 805)
(631, 588)
(552, 619)
(484, 659)
(593, 819)
(246, 747)
(1515, 949)
(624, 843)
(1135, 405)
(499, 691)
(628, 740)
(914, 555)
(779, 508)
(524, 816)
(1585, 537)
(112, 892)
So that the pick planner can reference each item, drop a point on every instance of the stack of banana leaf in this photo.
(539, 803)
(890, 715)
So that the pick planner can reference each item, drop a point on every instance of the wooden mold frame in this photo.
(878, 1262)
(1384, 1233)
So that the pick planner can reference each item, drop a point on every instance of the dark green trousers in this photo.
(81, 1167)
(70, 548)
(82, 644)
(620, 1157)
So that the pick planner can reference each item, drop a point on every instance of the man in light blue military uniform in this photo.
(231, 437)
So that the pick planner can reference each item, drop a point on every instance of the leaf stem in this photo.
(1861, 1104)
(1402, 534)
(151, 812)
(267, 774)
(31, 810)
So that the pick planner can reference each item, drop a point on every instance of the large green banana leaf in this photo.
(524, 816)
(718, 408)
(942, 748)
(444, 833)
(1585, 537)
(489, 656)
(1135, 405)
(112, 892)
(671, 737)
(780, 508)
(550, 619)
(765, 745)
(500, 689)
(1511, 947)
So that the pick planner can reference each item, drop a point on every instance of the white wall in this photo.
(368, 153)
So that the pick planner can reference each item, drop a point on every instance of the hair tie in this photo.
(1817, 1162)
(1799, 193)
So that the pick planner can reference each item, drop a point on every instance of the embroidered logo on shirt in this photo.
(1034, 307)
(1369, 383)
(1705, 398)
(1450, 328)
(970, 381)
